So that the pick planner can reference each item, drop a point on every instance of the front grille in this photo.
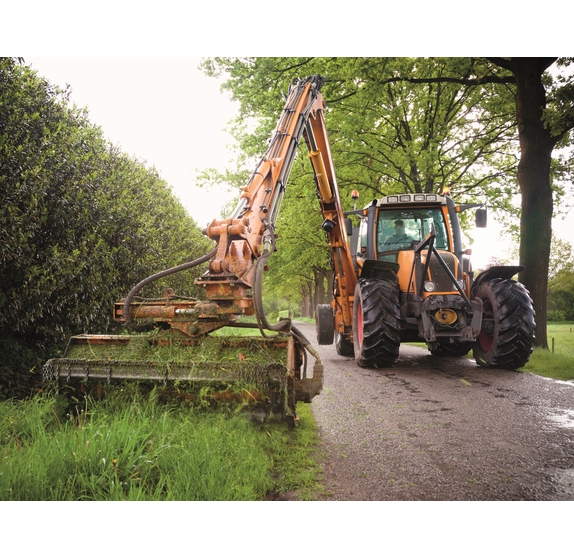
(438, 274)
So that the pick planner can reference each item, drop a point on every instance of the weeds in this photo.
(133, 447)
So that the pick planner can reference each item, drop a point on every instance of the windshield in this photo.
(398, 228)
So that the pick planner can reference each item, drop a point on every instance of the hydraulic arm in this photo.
(247, 238)
(232, 283)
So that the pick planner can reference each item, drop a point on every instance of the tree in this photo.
(302, 254)
(386, 136)
(539, 131)
(561, 257)
(561, 296)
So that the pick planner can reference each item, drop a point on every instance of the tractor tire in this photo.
(324, 324)
(456, 349)
(376, 323)
(507, 332)
(344, 345)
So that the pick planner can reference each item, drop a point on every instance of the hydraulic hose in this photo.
(262, 321)
(164, 273)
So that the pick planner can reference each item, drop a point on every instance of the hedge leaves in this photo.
(80, 224)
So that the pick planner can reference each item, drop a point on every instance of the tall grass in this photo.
(138, 450)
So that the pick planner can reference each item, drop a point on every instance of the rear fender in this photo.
(495, 272)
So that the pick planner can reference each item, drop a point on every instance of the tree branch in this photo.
(462, 81)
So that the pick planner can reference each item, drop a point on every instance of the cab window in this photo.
(398, 229)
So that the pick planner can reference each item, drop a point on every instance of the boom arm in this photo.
(320, 154)
(246, 239)
(250, 233)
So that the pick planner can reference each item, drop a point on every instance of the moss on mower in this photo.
(206, 371)
(209, 349)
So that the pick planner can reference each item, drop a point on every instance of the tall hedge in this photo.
(80, 224)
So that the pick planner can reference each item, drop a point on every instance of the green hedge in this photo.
(80, 224)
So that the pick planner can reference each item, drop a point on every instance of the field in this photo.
(557, 363)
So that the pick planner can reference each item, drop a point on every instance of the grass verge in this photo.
(139, 449)
(557, 364)
(295, 472)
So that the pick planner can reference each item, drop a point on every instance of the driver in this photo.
(399, 238)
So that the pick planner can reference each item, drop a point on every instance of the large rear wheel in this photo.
(376, 323)
(507, 332)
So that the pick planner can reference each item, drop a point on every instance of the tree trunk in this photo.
(307, 296)
(319, 276)
(536, 146)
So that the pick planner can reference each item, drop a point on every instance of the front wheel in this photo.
(324, 324)
(506, 337)
(376, 323)
(344, 345)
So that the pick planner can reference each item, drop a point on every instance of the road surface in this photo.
(434, 428)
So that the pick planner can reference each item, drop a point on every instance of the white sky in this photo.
(165, 111)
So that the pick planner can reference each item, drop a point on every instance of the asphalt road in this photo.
(435, 428)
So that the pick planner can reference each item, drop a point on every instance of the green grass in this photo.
(138, 449)
(210, 349)
(295, 470)
(560, 363)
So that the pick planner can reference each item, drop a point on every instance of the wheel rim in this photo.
(485, 339)
(360, 324)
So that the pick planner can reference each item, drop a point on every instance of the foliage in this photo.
(561, 281)
(389, 135)
(301, 244)
(561, 257)
(80, 222)
(561, 296)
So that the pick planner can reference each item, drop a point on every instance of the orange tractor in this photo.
(416, 286)
(415, 283)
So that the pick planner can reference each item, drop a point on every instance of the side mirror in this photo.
(349, 226)
(480, 218)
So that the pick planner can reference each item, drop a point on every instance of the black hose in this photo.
(164, 273)
(283, 325)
